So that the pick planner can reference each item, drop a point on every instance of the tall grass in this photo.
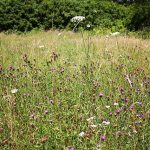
(63, 91)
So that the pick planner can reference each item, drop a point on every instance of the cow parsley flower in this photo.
(77, 19)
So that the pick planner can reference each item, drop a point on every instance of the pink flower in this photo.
(103, 137)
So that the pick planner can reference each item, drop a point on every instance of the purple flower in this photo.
(140, 103)
(31, 125)
(24, 57)
(131, 107)
(140, 115)
(118, 111)
(103, 137)
(51, 101)
(72, 148)
(101, 94)
(62, 71)
(110, 114)
(11, 68)
(125, 99)
(46, 111)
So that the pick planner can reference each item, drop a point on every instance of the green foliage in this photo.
(20, 15)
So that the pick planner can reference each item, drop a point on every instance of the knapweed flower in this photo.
(51, 101)
(90, 119)
(140, 103)
(125, 99)
(13, 91)
(106, 123)
(140, 115)
(46, 111)
(11, 68)
(103, 138)
(77, 19)
(132, 107)
(101, 94)
(118, 111)
(82, 134)
(110, 114)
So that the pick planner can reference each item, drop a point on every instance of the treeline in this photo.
(25, 15)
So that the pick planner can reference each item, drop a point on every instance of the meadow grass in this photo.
(73, 91)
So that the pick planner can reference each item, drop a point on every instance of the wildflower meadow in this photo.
(61, 90)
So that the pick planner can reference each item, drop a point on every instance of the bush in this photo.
(20, 15)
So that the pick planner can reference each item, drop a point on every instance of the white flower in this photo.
(115, 33)
(93, 126)
(77, 19)
(116, 104)
(106, 123)
(88, 25)
(107, 106)
(82, 134)
(41, 46)
(91, 118)
(13, 91)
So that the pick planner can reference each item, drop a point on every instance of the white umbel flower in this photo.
(13, 91)
(77, 19)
